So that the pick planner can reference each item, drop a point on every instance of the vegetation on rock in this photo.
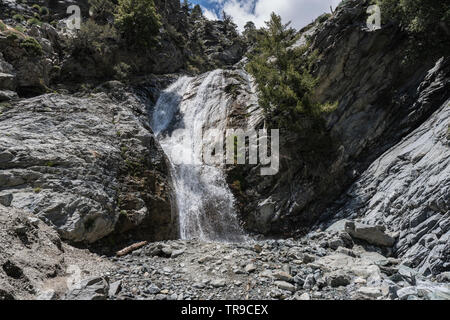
(138, 22)
(283, 73)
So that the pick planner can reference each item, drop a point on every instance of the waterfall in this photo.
(205, 202)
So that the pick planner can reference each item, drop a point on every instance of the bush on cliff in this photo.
(418, 16)
(102, 11)
(138, 22)
(282, 72)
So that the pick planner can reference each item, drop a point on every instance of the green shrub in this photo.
(36, 7)
(122, 70)
(138, 22)
(94, 38)
(34, 21)
(2, 26)
(44, 11)
(101, 10)
(419, 16)
(18, 17)
(20, 28)
(12, 37)
(32, 46)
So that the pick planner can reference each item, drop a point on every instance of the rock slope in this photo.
(35, 263)
(408, 190)
(322, 266)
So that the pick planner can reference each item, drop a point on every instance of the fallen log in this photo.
(131, 248)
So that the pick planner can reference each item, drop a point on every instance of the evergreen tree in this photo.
(101, 10)
(197, 12)
(186, 7)
(282, 72)
(138, 22)
(250, 33)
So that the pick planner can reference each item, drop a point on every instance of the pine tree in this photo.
(282, 72)
(138, 22)
(197, 12)
(186, 7)
(101, 10)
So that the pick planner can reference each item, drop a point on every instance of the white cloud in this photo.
(210, 15)
(300, 12)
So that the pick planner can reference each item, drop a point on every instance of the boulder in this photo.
(96, 288)
(88, 166)
(375, 235)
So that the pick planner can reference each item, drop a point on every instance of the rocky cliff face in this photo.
(89, 166)
(380, 101)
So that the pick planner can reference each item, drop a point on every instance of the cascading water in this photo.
(205, 203)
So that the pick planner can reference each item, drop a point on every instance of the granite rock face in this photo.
(379, 102)
(89, 166)
(407, 190)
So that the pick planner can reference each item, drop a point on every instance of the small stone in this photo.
(305, 297)
(167, 251)
(283, 276)
(406, 293)
(370, 292)
(114, 288)
(309, 282)
(6, 199)
(153, 289)
(299, 280)
(199, 285)
(177, 253)
(360, 280)
(218, 283)
(308, 258)
(47, 295)
(443, 277)
(283, 285)
(257, 248)
(338, 280)
(250, 268)
(266, 274)
(335, 243)
(167, 270)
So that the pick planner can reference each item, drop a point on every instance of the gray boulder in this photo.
(88, 166)
(90, 289)
(372, 234)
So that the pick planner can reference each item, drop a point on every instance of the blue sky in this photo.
(300, 12)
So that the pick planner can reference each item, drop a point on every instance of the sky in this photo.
(299, 12)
